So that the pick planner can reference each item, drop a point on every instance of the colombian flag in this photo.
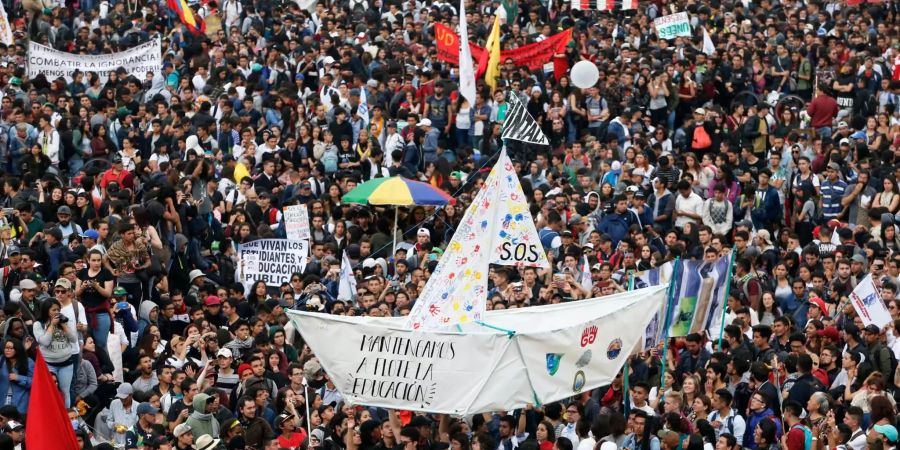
(193, 23)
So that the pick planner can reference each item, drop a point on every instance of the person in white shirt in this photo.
(573, 415)
(724, 419)
(688, 205)
(199, 80)
(853, 419)
(48, 139)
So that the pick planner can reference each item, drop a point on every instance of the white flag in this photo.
(708, 47)
(867, 302)
(466, 69)
(520, 126)
(586, 281)
(496, 229)
(363, 108)
(6, 35)
(615, 33)
(347, 285)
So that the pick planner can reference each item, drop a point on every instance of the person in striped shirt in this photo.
(833, 191)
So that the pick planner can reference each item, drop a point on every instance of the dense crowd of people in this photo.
(126, 200)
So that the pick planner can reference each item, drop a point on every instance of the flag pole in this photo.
(670, 296)
(627, 399)
(727, 293)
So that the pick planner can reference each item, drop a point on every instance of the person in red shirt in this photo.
(822, 111)
(289, 438)
(115, 173)
(799, 436)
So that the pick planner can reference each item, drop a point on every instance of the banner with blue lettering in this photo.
(272, 260)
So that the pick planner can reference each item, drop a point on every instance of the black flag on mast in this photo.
(520, 126)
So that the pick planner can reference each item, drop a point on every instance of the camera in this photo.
(63, 319)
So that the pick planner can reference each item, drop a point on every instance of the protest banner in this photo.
(540, 354)
(53, 63)
(868, 303)
(448, 45)
(534, 56)
(272, 260)
(673, 25)
(296, 222)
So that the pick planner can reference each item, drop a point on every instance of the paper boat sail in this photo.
(488, 361)
(549, 353)
(497, 228)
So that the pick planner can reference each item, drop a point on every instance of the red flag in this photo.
(47, 426)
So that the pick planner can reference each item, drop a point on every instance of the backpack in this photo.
(701, 138)
(330, 160)
(807, 444)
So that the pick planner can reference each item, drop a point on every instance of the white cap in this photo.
(328, 60)
(425, 122)
(181, 429)
(224, 352)
(423, 231)
(194, 274)
(369, 262)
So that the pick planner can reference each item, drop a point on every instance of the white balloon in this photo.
(585, 74)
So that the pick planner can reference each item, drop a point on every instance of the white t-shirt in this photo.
(69, 312)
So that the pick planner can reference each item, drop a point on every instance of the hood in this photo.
(199, 403)
(146, 307)
(5, 326)
(273, 330)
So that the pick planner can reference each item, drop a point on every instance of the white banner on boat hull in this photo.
(53, 63)
(272, 260)
(549, 353)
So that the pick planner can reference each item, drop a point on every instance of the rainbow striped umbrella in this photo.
(397, 191)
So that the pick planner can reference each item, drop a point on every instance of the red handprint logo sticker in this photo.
(588, 335)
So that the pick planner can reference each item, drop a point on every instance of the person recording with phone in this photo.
(58, 340)
(94, 289)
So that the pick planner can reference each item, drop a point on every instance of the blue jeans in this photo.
(824, 132)
(64, 379)
(101, 333)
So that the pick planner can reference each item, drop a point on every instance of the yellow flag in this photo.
(493, 48)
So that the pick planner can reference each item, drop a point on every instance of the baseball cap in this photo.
(842, 124)
(146, 408)
(872, 328)
(181, 429)
(834, 166)
(282, 418)
(889, 431)
(829, 332)
(224, 352)
(243, 368)
(119, 291)
(92, 234)
(212, 300)
(819, 303)
(423, 232)
(196, 273)
(425, 123)
(64, 210)
(858, 135)
(12, 425)
(27, 284)
(312, 370)
(124, 390)
(845, 141)
(64, 283)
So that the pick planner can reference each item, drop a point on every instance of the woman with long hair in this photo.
(545, 435)
(58, 341)
(16, 370)
(889, 198)
(769, 311)
(805, 211)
